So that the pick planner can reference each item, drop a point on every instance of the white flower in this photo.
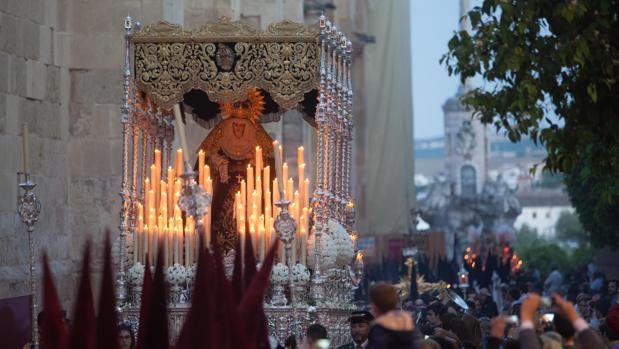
(279, 274)
(300, 273)
(343, 242)
(135, 274)
(176, 274)
(328, 251)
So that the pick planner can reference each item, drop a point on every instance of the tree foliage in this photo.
(539, 58)
(550, 71)
(568, 228)
(540, 253)
(596, 199)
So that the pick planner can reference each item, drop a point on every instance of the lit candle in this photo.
(300, 157)
(181, 130)
(179, 162)
(170, 187)
(26, 147)
(261, 238)
(170, 237)
(201, 167)
(258, 191)
(301, 181)
(276, 191)
(175, 244)
(290, 190)
(266, 177)
(158, 163)
(278, 166)
(243, 193)
(303, 245)
(258, 159)
(145, 244)
(166, 246)
(285, 173)
(187, 247)
(154, 186)
(250, 182)
(207, 171)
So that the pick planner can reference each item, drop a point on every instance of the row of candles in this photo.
(255, 204)
(160, 221)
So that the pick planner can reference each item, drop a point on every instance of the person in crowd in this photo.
(586, 337)
(359, 330)
(126, 339)
(611, 326)
(433, 318)
(488, 307)
(598, 281)
(314, 334)
(613, 291)
(393, 328)
(428, 344)
(554, 281)
(290, 342)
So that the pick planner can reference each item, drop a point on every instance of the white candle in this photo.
(181, 130)
(278, 166)
(26, 147)
(201, 168)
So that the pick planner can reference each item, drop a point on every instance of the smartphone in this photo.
(545, 302)
(512, 319)
(548, 317)
(323, 343)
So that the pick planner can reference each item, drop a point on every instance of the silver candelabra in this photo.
(286, 227)
(29, 208)
(194, 199)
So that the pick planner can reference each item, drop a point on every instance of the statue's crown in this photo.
(251, 108)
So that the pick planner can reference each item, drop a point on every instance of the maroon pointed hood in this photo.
(251, 309)
(54, 333)
(147, 286)
(107, 321)
(83, 331)
(237, 275)
(250, 261)
(156, 327)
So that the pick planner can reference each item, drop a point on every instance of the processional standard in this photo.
(226, 61)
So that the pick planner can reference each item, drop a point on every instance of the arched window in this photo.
(468, 181)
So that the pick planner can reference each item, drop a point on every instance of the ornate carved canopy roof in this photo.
(225, 59)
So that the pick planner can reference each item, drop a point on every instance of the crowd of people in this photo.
(578, 310)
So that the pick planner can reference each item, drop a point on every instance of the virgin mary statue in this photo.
(229, 148)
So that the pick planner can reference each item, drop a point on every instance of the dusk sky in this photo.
(432, 25)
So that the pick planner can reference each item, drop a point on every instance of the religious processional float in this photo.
(240, 190)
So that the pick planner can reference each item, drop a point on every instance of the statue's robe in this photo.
(234, 140)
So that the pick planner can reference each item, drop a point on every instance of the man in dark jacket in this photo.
(488, 307)
(359, 329)
(392, 329)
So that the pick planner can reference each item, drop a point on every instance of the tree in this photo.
(596, 199)
(540, 57)
(568, 228)
(550, 72)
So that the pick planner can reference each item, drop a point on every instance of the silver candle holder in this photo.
(194, 200)
(29, 208)
(286, 227)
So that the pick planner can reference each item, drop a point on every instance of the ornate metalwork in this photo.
(194, 200)
(283, 60)
(286, 227)
(29, 208)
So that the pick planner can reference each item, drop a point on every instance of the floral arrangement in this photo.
(343, 242)
(279, 274)
(300, 273)
(176, 274)
(135, 274)
(328, 251)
